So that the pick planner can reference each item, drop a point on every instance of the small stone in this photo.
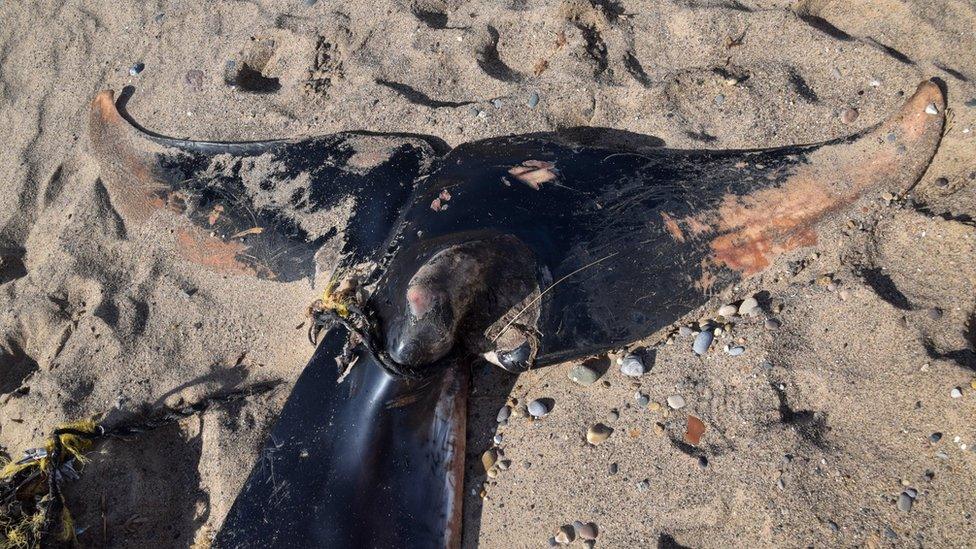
(719, 99)
(676, 402)
(935, 437)
(766, 365)
(685, 331)
(632, 365)
(772, 324)
(941, 182)
(489, 458)
(565, 535)
(748, 306)
(973, 383)
(598, 433)
(497, 439)
(137, 68)
(497, 103)
(931, 109)
(778, 308)
(654, 406)
(702, 461)
(533, 100)
(659, 429)
(874, 83)
(583, 375)
(702, 342)
(727, 310)
(956, 392)
(905, 503)
(503, 414)
(736, 350)
(889, 533)
(643, 485)
(642, 399)
(538, 409)
(615, 414)
(912, 493)
(832, 525)
(504, 464)
(934, 313)
(613, 469)
(848, 116)
(586, 530)
(824, 280)
(844, 295)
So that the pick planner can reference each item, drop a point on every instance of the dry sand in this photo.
(814, 451)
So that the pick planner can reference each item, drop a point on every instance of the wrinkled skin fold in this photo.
(523, 250)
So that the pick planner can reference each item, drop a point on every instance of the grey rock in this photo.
(685, 331)
(935, 437)
(956, 392)
(633, 365)
(727, 310)
(703, 341)
(748, 306)
(583, 375)
(889, 533)
(136, 68)
(737, 350)
(912, 493)
(503, 414)
(676, 402)
(642, 399)
(772, 324)
(533, 100)
(538, 409)
(905, 503)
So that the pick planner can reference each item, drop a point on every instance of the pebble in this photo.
(727, 310)
(832, 525)
(538, 409)
(489, 459)
(874, 83)
(632, 366)
(702, 461)
(583, 375)
(748, 306)
(685, 331)
(504, 464)
(642, 399)
(889, 533)
(598, 433)
(973, 383)
(931, 109)
(942, 182)
(736, 351)
(702, 342)
(676, 402)
(848, 116)
(533, 100)
(503, 414)
(585, 530)
(654, 406)
(905, 502)
(719, 99)
(912, 493)
(935, 313)
(659, 429)
(497, 439)
(565, 535)
(643, 485)
(772, 324)
(497, 103)
(935, 437)
(137, 68)
(956, 392)
(613, 469)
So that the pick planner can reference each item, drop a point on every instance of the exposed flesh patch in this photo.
(752, 230)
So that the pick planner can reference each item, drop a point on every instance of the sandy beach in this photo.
(857, 382)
